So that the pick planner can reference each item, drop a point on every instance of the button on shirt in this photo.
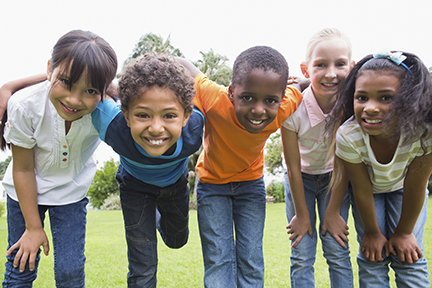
(308, 121)
(64, 165)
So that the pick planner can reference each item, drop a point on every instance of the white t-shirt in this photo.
(64, 165)
(353, 146)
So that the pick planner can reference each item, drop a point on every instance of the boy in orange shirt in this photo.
(231, 190)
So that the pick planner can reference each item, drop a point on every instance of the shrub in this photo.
(111, 203)
(276, 190)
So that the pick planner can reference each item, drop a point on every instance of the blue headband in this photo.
(396, 57)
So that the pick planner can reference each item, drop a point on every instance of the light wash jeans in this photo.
(68, 227)
(388, 207)
(231, 222)
(303, 255)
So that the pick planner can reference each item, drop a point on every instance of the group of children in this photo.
(344, 140)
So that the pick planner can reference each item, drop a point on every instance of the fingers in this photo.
(297, 241)
(46, 248)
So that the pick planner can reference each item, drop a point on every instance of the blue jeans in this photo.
(231, 223)
(145, 209)
(68, 226)
(388, 207)
(303, 255)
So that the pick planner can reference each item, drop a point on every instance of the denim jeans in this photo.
(146, 209)
(388, 207)
(68, 226)
(303, 255)
(231, 223)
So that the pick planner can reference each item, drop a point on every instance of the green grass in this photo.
(107, 263)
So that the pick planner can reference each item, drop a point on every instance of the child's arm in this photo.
(11, 87)
(333, 221)
(300, 224)
(189, 66)
(403, 242)
(374, 240)
(26, 189)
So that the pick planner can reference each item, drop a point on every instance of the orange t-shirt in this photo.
(231, 154)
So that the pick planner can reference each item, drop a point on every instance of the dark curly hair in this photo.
(261, 57)
(156, 69)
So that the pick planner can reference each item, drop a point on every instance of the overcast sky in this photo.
(30, 28)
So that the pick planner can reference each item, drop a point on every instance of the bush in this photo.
(276, 190)
(111, 203)
(104, 184)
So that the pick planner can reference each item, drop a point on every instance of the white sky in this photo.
(29, 29)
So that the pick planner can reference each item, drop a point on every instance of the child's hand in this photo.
(405, 247)
(28, 245)
(337, 227)
(298, 228)
(373, 244)
(292, 80)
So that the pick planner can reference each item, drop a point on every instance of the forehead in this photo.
(334, 48)
(260, 81)
(377, 80)
(162, 96)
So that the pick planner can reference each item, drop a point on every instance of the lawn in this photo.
(107, 264)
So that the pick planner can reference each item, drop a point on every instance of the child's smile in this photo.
(256, 101)
(156, 119)
(374, 93)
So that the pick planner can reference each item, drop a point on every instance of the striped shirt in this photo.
(308, 121)
(352, 145)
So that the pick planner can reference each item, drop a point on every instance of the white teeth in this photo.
(373, 121)
(156, 142)
(256, 122)
(330, 84)
(72, 110)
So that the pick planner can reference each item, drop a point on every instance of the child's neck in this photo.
(326, 104)
(383, 148)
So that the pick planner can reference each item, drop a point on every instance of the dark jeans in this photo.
(145, 209)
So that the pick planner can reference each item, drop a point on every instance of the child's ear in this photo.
(49, 71)
(231, 93)
(126, 116)
(186, 117)
(352, 65)
(304, 69)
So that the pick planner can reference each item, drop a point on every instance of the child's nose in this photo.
(331, 72)
(156, 126)
(259, 108)
(371, 107)
(74, 98)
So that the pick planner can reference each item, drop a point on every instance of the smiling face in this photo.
(257, 99)
(328, 67)
(156, 119)
(72, 104)
(374, 93)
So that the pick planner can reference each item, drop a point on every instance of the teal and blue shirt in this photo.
(161, 171)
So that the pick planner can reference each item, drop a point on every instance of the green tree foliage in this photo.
(152, 42)
(3, 166)
(104, 184)
(214, 67)
(273, 157)
(430, 71)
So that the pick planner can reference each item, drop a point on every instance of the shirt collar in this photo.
(315, 114)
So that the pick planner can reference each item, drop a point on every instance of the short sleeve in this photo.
(289, 124)
(19, 129)
(345, 148)
(103, 115)
(207, 93)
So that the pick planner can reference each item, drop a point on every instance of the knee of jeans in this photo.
(72, 277)
(178, 241)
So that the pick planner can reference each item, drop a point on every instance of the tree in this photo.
(152, 42)
(104, 184)
(4, 165)
(273, 157)
(214, 67)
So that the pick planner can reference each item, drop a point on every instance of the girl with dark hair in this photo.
(382, 127)
(52, 140)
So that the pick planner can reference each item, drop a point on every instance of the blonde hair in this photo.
(325, 35)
